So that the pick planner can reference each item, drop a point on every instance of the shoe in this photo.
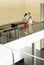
(26, 33)
(30, 33)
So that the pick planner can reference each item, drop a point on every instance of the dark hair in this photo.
(29, 13)
(30, 17)
(25, 14)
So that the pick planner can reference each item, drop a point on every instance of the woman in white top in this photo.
(30, 24)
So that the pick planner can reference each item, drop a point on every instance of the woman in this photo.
(30, 24)
(25, 23)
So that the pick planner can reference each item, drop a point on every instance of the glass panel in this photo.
(42, 25)
(10, 34)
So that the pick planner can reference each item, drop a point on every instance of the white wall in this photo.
(11, 11)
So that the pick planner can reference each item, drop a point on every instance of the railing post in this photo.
(19, 32)
(33, 53)
(13, 63)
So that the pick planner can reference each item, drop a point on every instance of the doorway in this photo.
(42, 15)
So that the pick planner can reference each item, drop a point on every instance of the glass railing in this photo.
(38, 26)
(10, 34)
